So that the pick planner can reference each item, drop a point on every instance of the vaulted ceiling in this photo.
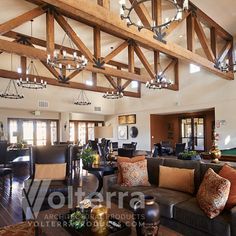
(222, 12)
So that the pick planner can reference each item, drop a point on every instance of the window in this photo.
(72, 131)
(41, 131)
(91, 131)
(192, 133)
(194, 69)
(134, 84)
(53, 127)
(28, 132)
(82, 133)
(13, 131)
(34, 132)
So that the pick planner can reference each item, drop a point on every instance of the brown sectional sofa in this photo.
(179, 210)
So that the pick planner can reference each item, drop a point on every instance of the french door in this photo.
(193, 133)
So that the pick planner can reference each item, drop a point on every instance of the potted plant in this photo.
(87, 157)
(189, 155)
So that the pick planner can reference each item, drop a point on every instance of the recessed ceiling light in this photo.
(111, 47)
(181, 36)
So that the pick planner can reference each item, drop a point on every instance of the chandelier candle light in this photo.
(11, 91)
(126, 14)
(118, 93)
(27, 83)
(159, 82)
(61, 59)
(226, 66)
(82, 99)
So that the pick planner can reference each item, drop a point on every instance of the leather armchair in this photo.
(47, 155)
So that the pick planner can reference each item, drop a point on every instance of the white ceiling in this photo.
(222, 12)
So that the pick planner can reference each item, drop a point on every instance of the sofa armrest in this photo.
(108, 180)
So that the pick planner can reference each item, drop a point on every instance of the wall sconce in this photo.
(65, 125)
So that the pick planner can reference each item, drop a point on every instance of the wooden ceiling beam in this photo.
(203, 40)
(204, 18)
(156, 62)
(19, 20)
(190, 32)
(74, 85)
(131, 65)
(111, 81)
(40, 54)
(175, 24)
(143, 14)
(97, 43)
(50, 32)
(73, 36)
(91, 14)
(224, 52)
(115, 52)
(42, 43)
(157, 11)
(144, 61)
(73, 74)
(104, 3)
(126, 84)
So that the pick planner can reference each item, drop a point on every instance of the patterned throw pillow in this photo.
(213, 193)
(229, 173)
(129, 160)
(134, 174)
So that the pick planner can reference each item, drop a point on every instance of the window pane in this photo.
(28, 132)
(41, 129)
(13, 131)
(72, 131)
(91, 131)
(53, 126)
(82, 132)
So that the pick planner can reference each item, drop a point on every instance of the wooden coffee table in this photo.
(49, 224)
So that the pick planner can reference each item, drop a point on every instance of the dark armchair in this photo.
(179, 147)
(58, 154)
(3, 161)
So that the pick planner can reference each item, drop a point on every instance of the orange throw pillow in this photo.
(127, 160)
(176, 179)
(213, 193)
(229, 173)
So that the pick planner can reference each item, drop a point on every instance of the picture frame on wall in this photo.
(122, 132)
(127, 119)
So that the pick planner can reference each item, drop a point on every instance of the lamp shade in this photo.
(103, 132)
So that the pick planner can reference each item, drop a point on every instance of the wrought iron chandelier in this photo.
(226, 66)
(157, 29)
(61, 59)
(31, 70)
(118, 93)
(160, 81)
(82, 99)
(11, 91)
(32, 84)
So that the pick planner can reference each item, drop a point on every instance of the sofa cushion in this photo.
(50, 171)
(189, 213)
(153, 169)
(185, 164)
(213, 193)
(126, 160)
(206, 166)
(176, 179)
(229, 173)
(134, 174)
(167, 198)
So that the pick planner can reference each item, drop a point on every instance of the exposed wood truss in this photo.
(101, 19)
(98, 16)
